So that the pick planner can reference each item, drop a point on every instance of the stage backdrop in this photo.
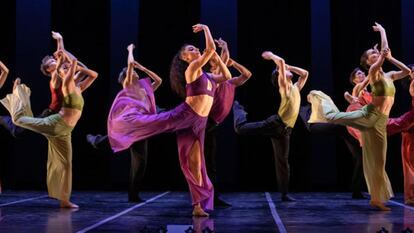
(322, 36)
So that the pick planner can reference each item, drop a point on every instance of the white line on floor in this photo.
(121, 213)
(276, 217)
(23, 200)
(401, 204)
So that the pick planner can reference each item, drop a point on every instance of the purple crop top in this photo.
(199, 86)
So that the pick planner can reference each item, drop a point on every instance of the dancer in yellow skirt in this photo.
(56, 128)
(371, 120)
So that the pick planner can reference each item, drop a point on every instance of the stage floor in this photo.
(28, 211)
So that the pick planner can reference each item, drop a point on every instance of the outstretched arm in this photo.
(245, 74)
(208, 52)
(384, 42)
(61, 47)
(68, 83)
(3, 75)
(128, 79)
(157, 80)
(303, 76)
(90, 75)
(282, 81)
(404, 70)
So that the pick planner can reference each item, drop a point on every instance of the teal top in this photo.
(73, 100)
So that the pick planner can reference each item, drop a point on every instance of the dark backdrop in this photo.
(325, 37)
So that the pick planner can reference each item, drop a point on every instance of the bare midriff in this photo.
(383, 103)
(201, 104)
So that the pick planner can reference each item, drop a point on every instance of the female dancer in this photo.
(56, 128)
(4, 71)
(223, 101)
(371, 119)
(137, 93)
(405, 125)
(189, 118)
(279, 126)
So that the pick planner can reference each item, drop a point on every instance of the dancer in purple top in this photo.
(223, 101)
(189, 118)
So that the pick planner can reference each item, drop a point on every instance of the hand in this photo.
(56, 35)
(386, 53)
(131, 47)
(267, 55)
(138, 66)
(377, 27)
(221, 43)
(199, 27)
(376, 48)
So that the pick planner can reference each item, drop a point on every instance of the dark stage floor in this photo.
(170, 212)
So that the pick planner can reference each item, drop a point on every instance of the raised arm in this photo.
(282, 81)
(129, 77)
(224, 74)
(359, 87)
(4, 73)
(225, 53)
(303, 76)
(157, 80)
(87, 77)
(68, 83)
(245, 74)
(208, 52)
(404, 70)
(61, 47)
(384, 42)
(376, 67)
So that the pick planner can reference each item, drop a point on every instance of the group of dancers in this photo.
(208, 97)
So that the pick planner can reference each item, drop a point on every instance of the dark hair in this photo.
(122, 75)
(177, 74)
(364, 60)
(274, 77)
(44, 66)
(352, 76)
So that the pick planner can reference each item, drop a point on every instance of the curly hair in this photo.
(352, 75)
(177, 74)
(44, 66)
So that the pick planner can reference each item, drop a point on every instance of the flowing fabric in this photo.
(223, 101)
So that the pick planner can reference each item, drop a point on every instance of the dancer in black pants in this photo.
(277, 127)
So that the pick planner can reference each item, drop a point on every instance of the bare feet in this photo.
(68, 204)
(379, 205)
(199, 212)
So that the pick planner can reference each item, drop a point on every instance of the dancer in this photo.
(189, 118)
(371, 120)
(278, 127)
(405, 125)
(223, 101)
(138, 93)
(56, 128)
(4, 72)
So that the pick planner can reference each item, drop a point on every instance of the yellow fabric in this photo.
(383, 87)
(73, 100)
(289, 106)
(58, 134)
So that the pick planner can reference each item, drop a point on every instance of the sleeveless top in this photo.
(289, 106)
(383, 87)
(73, 100)
(57, 98)
(200, 86)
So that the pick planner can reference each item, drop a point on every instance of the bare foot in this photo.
(68, 204)
(199, 212)
(379, 205)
